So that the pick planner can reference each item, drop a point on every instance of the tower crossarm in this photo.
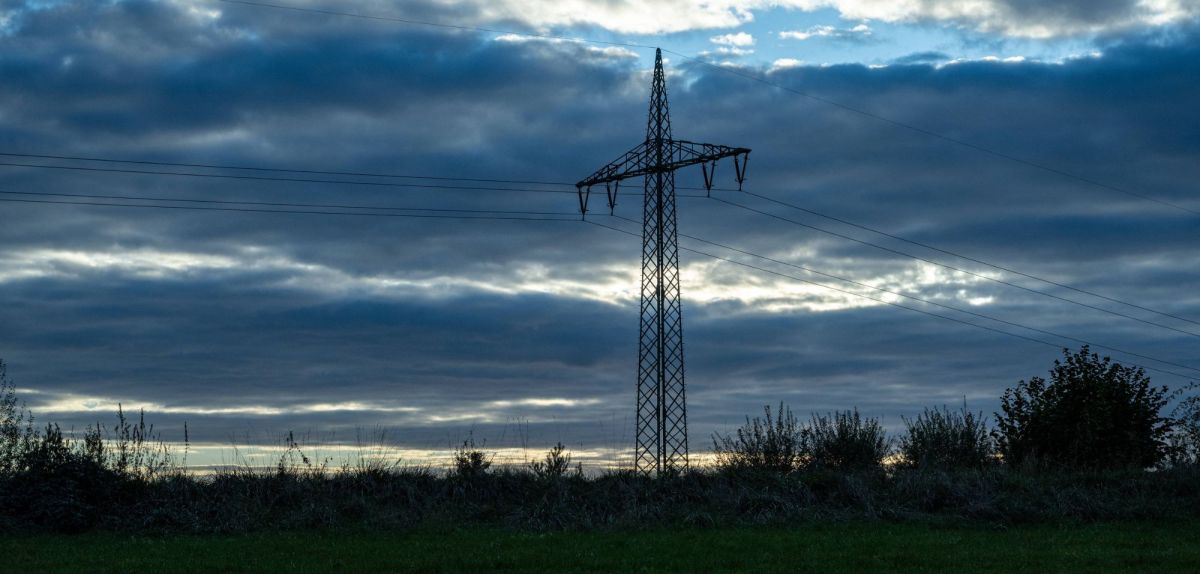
(643, 160)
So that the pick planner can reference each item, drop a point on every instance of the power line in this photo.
(571, 191)
(756, 78)
(523, 218)
(570, 185)
(282, 170)
(967, 257)
(508, 189)
(542, 182)
(922, 300)
(301, 180)
(914, 309)
(305, 212)
(284, 179)
(278, 204)
(958, 269)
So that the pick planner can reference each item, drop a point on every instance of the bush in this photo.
(57, 483)
(555, 465)
(945, 440)
(1093, 413)
(772, 444)
(16, 425)
(839, 441)
(1183, 444)
(136, 451)
(469, 461)
(845, 441)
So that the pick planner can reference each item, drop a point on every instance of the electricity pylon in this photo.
(662, 445)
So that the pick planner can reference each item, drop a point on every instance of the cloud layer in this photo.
(242, 322)
(1019, 18)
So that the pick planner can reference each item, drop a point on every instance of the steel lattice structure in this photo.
(662, 442)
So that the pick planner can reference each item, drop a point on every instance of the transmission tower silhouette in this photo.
(662, 442)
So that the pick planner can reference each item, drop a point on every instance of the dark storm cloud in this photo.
(1024, 18)
(922, 58)
(199, 312)
(1116, 119)
(1075, 12)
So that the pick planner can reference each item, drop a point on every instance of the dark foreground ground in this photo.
(845, 547)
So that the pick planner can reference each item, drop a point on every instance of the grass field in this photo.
(855, 547)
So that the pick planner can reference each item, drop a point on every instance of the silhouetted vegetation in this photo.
(1092, 413)
(12, 423)
(775, 469)
(244, 499)
(1183, 443)
(839, 441)
(942, 439)
(845, 442)
(471, 462)
(555, 464)
(771, 443)
(49, 479)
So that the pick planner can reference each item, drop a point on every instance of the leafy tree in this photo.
(1092, 413)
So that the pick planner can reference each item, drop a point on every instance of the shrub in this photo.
(842, 441)
(555, 465)
(294, 463)
(1093, 413)
(470, 461)
(773, 444)
(16, 425)
(845, 441)
(1184, 441)
(56, 484)
(137, 452)
(945, 440)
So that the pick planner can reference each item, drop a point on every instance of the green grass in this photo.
(853, 547)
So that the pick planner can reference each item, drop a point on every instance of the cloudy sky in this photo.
(1081, 136)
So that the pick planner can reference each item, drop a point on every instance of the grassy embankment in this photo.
(828, 548)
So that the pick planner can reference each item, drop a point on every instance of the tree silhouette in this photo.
(1092, 413)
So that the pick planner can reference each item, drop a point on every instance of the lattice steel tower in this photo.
(662, 445)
